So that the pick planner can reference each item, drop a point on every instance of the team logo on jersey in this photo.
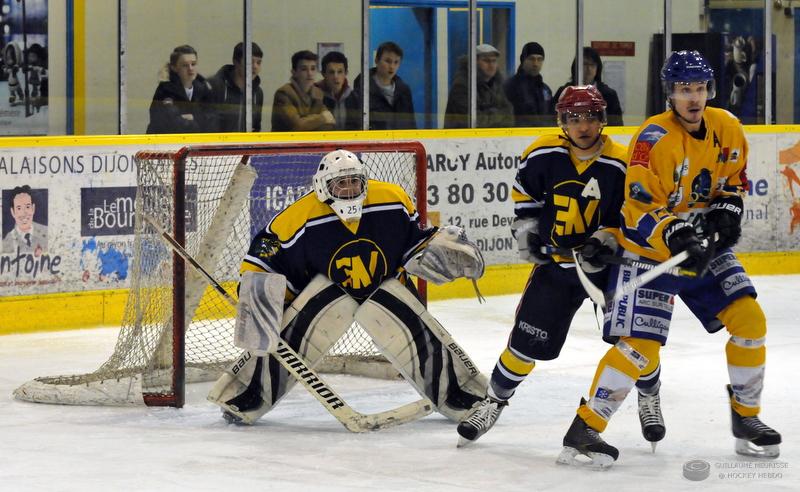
(357, 266)
(638, 193)
(576, 206)
(644, 144)
(701, 187)
(267, 247)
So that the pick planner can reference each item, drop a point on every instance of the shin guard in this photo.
(615, 377)
(746, 353)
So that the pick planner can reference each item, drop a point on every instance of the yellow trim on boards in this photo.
(51, 312)
(179, 140)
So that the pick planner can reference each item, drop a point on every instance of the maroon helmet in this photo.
(577, 99)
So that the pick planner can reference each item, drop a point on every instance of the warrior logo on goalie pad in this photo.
(357, 265)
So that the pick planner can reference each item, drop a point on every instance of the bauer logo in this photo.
(111, 211)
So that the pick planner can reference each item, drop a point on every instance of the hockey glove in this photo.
(725, 218)
(681, 236)
(600, 245)
(528, 240)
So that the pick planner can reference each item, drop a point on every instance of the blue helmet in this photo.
(687, 66)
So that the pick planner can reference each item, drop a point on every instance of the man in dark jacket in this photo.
(181, 103)
(494, 110)
(593, 75)
(391, 106)
(228, 92)
(527, 92)
(337, 94)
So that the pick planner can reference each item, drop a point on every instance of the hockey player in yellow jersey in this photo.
(345, 251)
(567, 194)
(685, 183)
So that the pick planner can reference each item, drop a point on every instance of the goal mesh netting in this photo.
(172, 317)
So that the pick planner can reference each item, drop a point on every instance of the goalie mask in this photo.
(341, 182)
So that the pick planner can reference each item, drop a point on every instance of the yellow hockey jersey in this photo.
(308, 238)
(672, 174)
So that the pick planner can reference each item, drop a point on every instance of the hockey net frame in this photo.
(161, 379)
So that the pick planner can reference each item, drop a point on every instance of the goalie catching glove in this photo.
(448, 256)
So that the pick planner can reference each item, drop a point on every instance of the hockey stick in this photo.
(351, 419)
(641, 264)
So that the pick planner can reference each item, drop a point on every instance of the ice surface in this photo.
(301, 447)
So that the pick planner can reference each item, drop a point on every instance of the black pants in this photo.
(545, 312)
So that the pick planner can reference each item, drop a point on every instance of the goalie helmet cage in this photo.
(175, 328)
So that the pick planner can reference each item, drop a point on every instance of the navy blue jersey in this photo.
(570, 198)
(308, 238)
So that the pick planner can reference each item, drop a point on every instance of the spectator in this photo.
(592, 75)
(337, 94)
(182, 100)
(298, 105)
(527, 92)
(494, 110)
(391, 106)
(228, 92)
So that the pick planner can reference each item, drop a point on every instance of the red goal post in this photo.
(212, 199)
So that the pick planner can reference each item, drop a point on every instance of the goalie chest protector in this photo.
(308, 238)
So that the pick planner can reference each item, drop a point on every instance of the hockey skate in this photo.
(653, 428)
(754, 437)
(479, 420)
(582, 439)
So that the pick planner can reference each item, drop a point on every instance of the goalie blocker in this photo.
(407, 335)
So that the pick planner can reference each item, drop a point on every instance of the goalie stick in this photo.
(292, 361)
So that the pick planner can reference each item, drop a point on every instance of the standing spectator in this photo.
(391, 106)
(227, 87)
(182, 100)
(494, 110)
(592, 75)
(337, 94)
(298, 105)
(527, 92)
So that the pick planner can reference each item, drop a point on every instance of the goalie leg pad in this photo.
(313, 323)
(259, 313)
(422, 350)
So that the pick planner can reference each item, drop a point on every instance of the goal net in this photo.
(212, 200)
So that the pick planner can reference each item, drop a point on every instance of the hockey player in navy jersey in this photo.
(567, 194)
(685, 182)
(345, 251)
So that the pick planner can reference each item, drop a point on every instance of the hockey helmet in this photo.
(341, 182)
(580, 99)
(683, 67)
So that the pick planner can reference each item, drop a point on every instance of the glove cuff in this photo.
(729, 203)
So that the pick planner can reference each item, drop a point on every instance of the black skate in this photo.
(479, 420)
(582, 439)
(754, 437)
(653, 428)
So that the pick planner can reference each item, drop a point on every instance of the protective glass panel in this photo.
(735, 44)
(296, 96)
(619, 62)
(168, 87)
(543, 27)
